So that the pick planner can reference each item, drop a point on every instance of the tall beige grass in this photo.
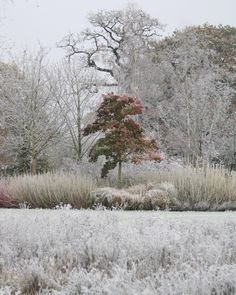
(49, 190)
(201, 188)
(213, 187)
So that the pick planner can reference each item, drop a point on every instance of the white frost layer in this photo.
(117, 253)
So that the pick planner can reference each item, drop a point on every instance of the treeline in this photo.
(186, 83)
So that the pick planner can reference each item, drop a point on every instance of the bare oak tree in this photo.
(113, 42)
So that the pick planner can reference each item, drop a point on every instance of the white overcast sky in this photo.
(27, 23)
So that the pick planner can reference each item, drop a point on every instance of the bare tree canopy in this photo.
(114, 37)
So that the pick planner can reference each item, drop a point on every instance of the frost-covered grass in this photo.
(50, 189)
(207, 188)
(117, 253)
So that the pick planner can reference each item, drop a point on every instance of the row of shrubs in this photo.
(207, 188)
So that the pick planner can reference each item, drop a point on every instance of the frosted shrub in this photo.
(167, 187)
(140, 189)
(111, 197)
(158, 199)
(62, 206)
(139, 197)
(24, 205)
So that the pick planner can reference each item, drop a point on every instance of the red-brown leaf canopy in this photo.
(124, 138)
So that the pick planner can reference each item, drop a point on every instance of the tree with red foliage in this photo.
(123, 139)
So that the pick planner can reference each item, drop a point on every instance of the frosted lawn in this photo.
(117, 253)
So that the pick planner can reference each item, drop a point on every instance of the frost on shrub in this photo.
(201, 206)
(24, 205)
(62, 206)
(138, 197)
(140, 189)
(230, 205)
(110, 197)
(167, 187)
(158, 199)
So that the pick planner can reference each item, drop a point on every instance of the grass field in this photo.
(117, 252)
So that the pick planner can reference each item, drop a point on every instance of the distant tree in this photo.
(123, 139)
(30, 120)
(113, 42)
(75, 95)
(187, 90)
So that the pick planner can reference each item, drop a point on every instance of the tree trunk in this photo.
(33, 168)
(119, 174)
(33, 163)
(79, 135)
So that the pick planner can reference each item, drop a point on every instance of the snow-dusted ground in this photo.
(114, 252)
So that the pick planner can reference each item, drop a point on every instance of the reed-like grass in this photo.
(206, 187)
(201, 188)
(49, 190)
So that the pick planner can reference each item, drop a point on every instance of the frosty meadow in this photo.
(117, 253)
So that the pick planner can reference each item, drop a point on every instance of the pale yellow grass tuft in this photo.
(49, 190)
(210, 185)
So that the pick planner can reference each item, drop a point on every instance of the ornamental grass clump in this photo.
(49, 190)
(200, 188)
